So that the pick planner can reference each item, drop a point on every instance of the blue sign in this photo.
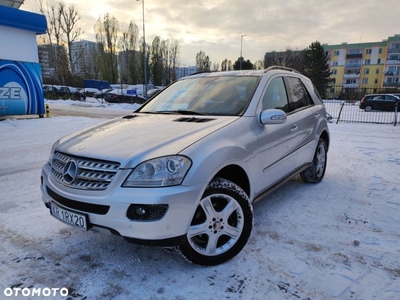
(21, 90)
(131, 92)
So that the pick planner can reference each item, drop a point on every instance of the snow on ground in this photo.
(338, 239)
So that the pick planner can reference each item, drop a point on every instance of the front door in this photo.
(277, 142)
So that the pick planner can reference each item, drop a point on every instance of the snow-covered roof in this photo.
(12, 3)
(20, 19)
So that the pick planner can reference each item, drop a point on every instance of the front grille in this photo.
(90, 174)
(82, 206)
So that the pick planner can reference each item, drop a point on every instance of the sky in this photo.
(216, 26)
(338, 239)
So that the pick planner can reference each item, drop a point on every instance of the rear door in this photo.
(389, 103)
(378, 102)
(307, 115)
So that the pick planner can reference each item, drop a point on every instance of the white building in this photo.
(83, 57)
(185, 71)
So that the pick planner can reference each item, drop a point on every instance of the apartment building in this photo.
(47, 58)
(185, 71)
(365, 67)
(83, 57)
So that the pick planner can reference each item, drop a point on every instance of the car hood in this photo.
(138, 137)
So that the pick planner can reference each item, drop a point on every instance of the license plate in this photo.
(69, 217)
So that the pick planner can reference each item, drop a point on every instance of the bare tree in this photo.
(157, 61)
(61, 31)
(70, 18)
(57, 52)
(215, 67)
(203, 62)
(128, 56)
(107, 31)
(226, 65)
(259, 65)
(170, 54)
(289, 58)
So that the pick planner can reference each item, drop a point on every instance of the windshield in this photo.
(222, 95)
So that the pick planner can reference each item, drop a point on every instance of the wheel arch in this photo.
(237, 175)
(325, 136)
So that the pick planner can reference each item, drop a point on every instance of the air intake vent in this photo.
(193, 120)
(129, 117)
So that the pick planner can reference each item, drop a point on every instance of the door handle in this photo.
(294, 128)
(317, 115)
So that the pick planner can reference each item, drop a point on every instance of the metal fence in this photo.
(343, 101)
(349, 111)
(352, 91)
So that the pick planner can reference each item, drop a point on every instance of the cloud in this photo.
(215, 26)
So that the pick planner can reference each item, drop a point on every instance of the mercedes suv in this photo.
(185, 168)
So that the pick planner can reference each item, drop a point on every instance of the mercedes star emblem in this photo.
(70, 171)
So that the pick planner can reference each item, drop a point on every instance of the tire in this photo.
(368, 108)
(221, 225)
(316, 172)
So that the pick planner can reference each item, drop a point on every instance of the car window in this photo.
(379, 97)
(219, 95)
(390, 98)
(275, 96)
(298, 95)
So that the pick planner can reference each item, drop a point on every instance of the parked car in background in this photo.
(102, 93)
(112, 97)
(186, 167)
(152, 92)
(384, 102)
(70, 92)
(89, 92)
(62, 92)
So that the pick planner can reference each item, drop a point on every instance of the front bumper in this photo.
(108, 209)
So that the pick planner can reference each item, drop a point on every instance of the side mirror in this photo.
(272, 116)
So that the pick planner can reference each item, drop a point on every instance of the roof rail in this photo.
(281, 68)
(200, 72)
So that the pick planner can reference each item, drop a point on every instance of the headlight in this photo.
(50, 160)
(53, 149)
(163, 171)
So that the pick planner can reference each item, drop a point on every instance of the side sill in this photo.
(282, 182)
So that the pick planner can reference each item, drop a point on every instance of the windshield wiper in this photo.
(179, 111)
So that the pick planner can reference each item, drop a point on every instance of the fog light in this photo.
(146, 212)
(137, 212)
(140, 211)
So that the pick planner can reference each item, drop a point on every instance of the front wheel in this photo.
(221, 225)
(316, 172)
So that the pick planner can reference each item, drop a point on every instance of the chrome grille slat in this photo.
(91, 174)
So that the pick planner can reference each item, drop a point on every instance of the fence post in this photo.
(340, 112)
(396, 106)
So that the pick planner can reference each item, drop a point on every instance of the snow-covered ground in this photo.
(339, 239)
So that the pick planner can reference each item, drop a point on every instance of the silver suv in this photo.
(185, 168)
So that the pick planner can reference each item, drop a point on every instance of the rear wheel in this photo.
(368, 108)
(316, 172)
(221, 225)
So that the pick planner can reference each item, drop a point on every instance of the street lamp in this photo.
(241, 47)
(144, 56)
